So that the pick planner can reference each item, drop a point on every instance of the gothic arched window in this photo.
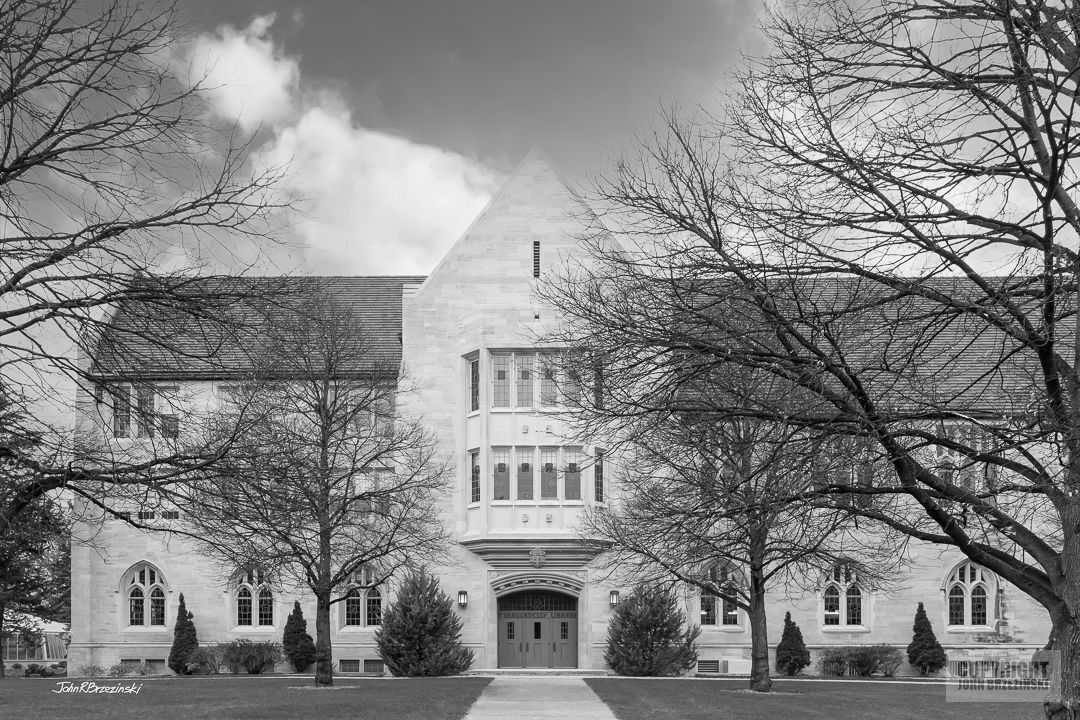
(145, 590)
(969, 589)
(842, 599)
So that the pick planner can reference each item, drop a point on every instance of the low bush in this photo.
(861, 660)
(253, 657)
(833, 661)
(206, 661)
(117, 670)
(36, 670)
(16, 666)
(90, 671)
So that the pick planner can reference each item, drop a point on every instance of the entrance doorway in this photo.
(537, 629)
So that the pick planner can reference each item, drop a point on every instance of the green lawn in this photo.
(645, 699)
(258, 698)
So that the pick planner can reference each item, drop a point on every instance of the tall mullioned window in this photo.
(525, 473)
(549, 477)
(523, 370)
(572, 474)
(254, 599)
(474, 476)
(598, 476)
(474, 385)
(500, 468)
(500, 369)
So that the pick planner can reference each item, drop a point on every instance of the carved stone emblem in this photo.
(537, 557)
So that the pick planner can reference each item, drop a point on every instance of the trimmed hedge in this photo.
(862, 660)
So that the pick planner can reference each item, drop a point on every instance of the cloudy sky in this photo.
(399, 118)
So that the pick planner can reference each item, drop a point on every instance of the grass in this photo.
(653, 699)
(257, 698)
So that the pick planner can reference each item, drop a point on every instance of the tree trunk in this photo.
(1064, 700)
(324, 662)
(759, 633)
(2, 609)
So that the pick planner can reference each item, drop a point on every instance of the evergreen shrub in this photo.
(647, 637)
(420, 635)
(253, 657)
(925, 652)
(791, 654)
(298, 646)
(185, 640)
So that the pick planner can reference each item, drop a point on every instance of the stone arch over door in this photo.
(537, 627)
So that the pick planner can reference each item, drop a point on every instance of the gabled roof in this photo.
(205, 328)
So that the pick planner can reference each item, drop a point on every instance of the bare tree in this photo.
(110, 175)
(886, 212)
(722, 502)
(329, 477)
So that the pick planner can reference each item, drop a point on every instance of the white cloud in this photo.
(247, 78)
(373, 202)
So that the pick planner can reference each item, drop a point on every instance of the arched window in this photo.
(253, 588)
(374, 608)
(723, 579)
(842, 599)
(145, 591)
(969, 589)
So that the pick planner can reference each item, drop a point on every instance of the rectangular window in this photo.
(523, 365)
(538, 629)
(549, 482)
(474, 474)
(598, 385)
(525, 475)
(500, 373)
(144, 411)
(121, 411)
(598, 477)
(572, 479)
(170, 514)
(170, 426)
(146, 514)
(549, 389)
(832, 608)
(708, 610)
(374, 666)
(474, 385)
(572, 386)
(500, 461)
(564, 630)
(349, 666)
(510, 631)
(536, 258)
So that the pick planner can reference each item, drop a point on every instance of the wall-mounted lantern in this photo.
(463, 598)
(613, 598)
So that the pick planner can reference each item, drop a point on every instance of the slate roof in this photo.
(206, 328)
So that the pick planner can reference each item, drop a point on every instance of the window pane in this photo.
(854, 606)
(564, 630)
(537, 631)
(474, 475)
(832, 606)
(549, 390)
(731, 613)
(374, 608)
(572, 480)
(525, 474)
(956, 606)
(121, 411)
(243, 607)
(500, 370)
(135, 607)
(978, 605)
(145, 411)
(549, 483)
(524, 370)
(501, 472)
(708, 610)
(354, 605)
(474, 385)
(598, 477)
(510, 630)
(266, 607)
(157, 607)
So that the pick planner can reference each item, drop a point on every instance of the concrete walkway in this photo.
(561, 697)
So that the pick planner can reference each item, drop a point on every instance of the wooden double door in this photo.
(537, 629)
